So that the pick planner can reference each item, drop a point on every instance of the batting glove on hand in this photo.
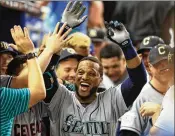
(117, 33)
(71, 15)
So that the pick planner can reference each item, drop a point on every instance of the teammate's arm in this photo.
(35, 79)
(72, 19)
(131, 87)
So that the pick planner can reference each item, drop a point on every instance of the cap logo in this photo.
(4, 45)
(71, 51)
(146, 41)
(161, 50)
(93, 33)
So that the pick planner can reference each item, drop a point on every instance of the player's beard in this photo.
(92, 92)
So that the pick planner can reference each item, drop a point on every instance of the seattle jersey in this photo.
(69, 118)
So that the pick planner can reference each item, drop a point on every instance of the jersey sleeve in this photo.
(165, 121)
(132, 120)
(57, 101)
(118, 102)
(14, 101)
(5, 80)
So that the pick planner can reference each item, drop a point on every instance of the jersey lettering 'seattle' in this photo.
(73, 125)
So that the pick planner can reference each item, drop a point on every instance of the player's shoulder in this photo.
(5, 80)
(111, 91)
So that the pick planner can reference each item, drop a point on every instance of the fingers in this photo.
(76, 3)
(83, 19)
(13, 46)
(142, 112)
(20, 31)
(56, 28)
(62, 29)
(26, 32)
(13, 35)
(81, 11)
(66, 33)
(79, 5)
(68, 6)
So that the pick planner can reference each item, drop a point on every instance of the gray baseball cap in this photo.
(161, 52)
(149, 42)
(97, 34)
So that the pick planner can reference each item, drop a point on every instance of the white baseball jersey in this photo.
(166, 119)
(69, 118)
(132, 120)
(28, 123)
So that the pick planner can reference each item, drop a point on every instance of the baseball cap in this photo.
(97, 34)
(69, 53)
(149, 42)
(160, 52)
(5, 48)
(78, 40)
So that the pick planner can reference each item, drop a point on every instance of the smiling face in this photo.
(114, 67)
(67, 69)
(87, 79)
(5, 58)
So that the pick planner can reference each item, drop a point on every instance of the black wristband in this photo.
(31, 55)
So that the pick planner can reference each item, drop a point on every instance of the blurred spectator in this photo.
(146, 18)
(114, 63)
(99, 39)
(95, 16)
(133, 122)
(67, 65)
(80, 43)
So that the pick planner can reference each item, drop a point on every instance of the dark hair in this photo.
(111, 50)
(93, 59)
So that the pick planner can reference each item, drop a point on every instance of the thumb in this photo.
(83, 19)
(13, 46)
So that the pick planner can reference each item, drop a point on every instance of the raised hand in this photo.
(56, 40)
(22, 40)
(117, 33)
(149, 108)
(72, 14)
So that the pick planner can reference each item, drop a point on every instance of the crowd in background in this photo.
(102, 68)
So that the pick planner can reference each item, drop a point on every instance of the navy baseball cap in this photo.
(149, 42)
(161, 52)
(97, 34)
(69, 53)
(5, 48)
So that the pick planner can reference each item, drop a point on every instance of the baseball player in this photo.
(146, 45)
(163, 121)
(17, 101)
(30, 122)
(134, 123)
(86, 112)
(6, 55)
